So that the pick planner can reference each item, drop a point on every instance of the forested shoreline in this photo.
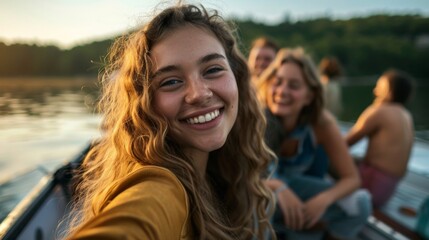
(364, 45)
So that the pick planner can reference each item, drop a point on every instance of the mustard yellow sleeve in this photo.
(149, 204)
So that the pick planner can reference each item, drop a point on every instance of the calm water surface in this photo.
(44, 121)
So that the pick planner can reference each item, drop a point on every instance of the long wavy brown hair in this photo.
(231, 202)
(312, 112)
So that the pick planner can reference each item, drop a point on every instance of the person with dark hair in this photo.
(182, 154)
(389, 128)
(306, 138)
(330, 76)
(262, 53)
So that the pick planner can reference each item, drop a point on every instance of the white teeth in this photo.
(282, 101)
(203, 118)
(208, 117)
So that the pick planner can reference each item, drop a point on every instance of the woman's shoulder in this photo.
(325, 119)
(151, 179)
(325, 126)
(150, 196)
(151, 173)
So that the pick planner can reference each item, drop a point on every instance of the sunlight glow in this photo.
(70, 23)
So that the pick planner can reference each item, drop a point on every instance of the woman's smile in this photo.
(204, 118)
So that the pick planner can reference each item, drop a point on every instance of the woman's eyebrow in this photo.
(210, 57)
(171, 68)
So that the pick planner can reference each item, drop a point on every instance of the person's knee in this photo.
(364, 203)
(357, 203)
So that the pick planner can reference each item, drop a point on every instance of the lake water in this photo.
(46, 122)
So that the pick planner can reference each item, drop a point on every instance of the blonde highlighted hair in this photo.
(134, 134)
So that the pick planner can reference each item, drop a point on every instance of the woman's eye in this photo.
(170, 82)
(277, 82)
(294, 85)
(214, 70)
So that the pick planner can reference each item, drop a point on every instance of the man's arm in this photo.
(367, 124)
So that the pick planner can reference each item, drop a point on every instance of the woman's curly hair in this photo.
(232, 202)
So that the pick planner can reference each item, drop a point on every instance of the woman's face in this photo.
(260, 59)
(288, 91)
(195, 89)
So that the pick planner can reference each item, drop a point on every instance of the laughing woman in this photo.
(306, 138)
(182, 150)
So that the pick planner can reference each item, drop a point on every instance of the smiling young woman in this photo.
(182, 154)
(306, 139)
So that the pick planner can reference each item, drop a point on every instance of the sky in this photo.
(67, 23)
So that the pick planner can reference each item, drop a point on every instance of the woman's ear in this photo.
(390, 94)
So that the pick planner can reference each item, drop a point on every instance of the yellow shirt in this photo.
(150, 203)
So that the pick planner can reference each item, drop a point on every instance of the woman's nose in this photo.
(281, 89)
(197, 91)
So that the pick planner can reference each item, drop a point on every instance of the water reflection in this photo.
(44, 120)
(47, 97)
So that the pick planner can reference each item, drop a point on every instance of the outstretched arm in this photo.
(364, 126)
(150, 203)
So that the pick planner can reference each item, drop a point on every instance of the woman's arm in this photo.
(329, 136)
(149, 204)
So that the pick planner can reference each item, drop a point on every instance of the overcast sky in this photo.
(66, 23)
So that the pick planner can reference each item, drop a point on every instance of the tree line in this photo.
(364, 45)
(34, 60)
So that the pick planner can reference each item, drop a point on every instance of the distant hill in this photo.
(33, 60)
(365, 46)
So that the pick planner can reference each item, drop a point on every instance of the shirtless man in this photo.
(262, 53)
(389, 127)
